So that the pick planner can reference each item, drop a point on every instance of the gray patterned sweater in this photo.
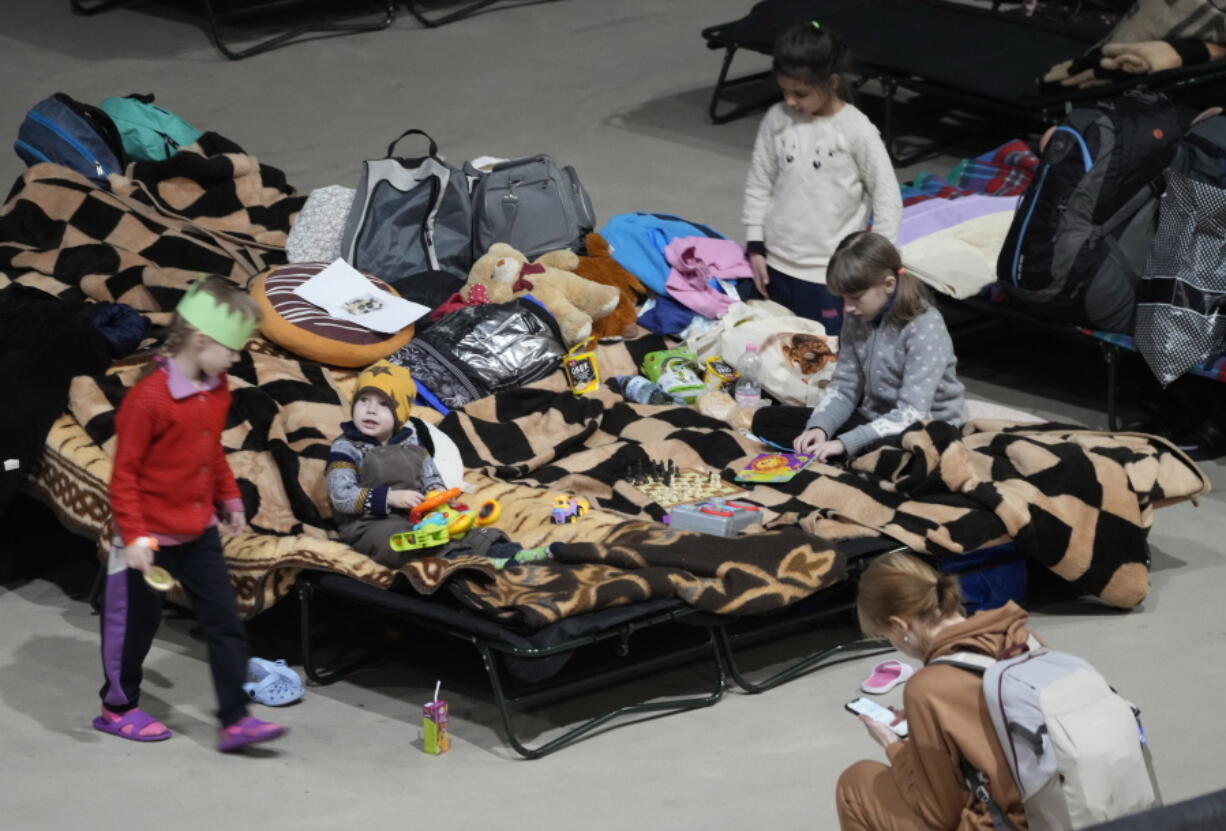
(893, 377)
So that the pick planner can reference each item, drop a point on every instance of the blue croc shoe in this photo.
(272, 683)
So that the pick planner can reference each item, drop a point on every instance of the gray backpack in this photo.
(532, 205)
(1075, 747)
(410, 216)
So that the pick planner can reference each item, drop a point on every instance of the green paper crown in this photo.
(215, 319)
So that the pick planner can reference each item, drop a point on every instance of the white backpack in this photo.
(1075, 747)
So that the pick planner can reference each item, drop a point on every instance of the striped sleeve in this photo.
(341, 477)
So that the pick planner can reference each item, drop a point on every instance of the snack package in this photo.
(676, 371)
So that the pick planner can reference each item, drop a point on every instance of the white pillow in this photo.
(447, 458)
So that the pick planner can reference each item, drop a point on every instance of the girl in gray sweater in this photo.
(896, 362)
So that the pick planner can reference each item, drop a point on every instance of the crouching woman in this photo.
(906, 601)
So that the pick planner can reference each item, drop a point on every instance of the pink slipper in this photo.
(131, 725)
(886, 676)
(247, 731)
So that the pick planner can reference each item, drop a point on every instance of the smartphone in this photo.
(894, 721)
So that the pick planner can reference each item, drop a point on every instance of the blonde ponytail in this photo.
(899, 584)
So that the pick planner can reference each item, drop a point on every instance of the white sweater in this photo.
(813, 181)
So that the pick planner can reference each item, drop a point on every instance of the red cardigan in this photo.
(170, 472)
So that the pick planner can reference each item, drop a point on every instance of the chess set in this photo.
(668, 485)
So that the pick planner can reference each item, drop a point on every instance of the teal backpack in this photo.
(149, 132)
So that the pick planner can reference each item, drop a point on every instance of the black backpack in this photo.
(1082, 230)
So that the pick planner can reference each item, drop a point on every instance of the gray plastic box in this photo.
(721, 517)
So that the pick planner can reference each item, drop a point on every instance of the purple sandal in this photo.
(129, 725)
(247, 731)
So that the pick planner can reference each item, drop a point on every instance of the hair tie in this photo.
(815, 25)
(902, 271)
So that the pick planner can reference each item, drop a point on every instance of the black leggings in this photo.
(132, 612)
(782, 423)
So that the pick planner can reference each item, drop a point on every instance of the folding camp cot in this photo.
(534, 657)
(466, 10)
(219, 12)
(840, 600)
(979, 58)
(1114, 347)
(537, 656)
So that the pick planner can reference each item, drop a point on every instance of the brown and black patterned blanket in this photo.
(215, 209)
(1080, 502)
(209, 209)
(1076, 501)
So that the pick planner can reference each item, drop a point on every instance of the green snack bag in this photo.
(676, 371)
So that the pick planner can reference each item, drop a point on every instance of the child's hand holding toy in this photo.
(404, 500)
(139, 555)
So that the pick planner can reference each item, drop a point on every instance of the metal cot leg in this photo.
(285, 37)
(80, 8)
(794, 670)
(722, 84)
(576, 733)
(1111, 355)
(315, 673)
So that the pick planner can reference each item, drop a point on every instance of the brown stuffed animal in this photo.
(600, 267)
(573, 301)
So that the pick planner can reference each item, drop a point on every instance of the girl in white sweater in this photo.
(819, 172)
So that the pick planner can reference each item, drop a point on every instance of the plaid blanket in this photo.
(1005, 171)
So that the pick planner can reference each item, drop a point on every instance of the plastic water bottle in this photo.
(748, 390)
(642, 391)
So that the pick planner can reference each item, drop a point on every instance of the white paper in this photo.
(344, 293)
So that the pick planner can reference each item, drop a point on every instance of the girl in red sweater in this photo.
(170, 480)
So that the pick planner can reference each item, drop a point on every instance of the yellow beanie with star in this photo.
(393, 382)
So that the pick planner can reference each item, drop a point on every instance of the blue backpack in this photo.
(66, 132)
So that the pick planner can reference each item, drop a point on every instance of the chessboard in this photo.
(685, 486)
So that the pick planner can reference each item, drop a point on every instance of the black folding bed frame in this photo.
(971, 56)
(220, 12)
(537, 656)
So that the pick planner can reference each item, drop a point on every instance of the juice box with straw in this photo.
(434, 738)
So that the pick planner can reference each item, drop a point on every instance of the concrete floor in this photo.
(619, 90)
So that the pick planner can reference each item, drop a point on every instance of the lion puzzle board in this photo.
(685, 486)
(773, 467)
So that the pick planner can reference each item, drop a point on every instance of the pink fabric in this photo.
(695, 262)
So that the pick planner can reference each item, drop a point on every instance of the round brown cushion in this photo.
(308, 331)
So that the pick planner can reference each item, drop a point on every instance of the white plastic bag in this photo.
(797, 356)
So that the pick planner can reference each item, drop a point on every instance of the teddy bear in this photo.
(599, 266)
(503, 273)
